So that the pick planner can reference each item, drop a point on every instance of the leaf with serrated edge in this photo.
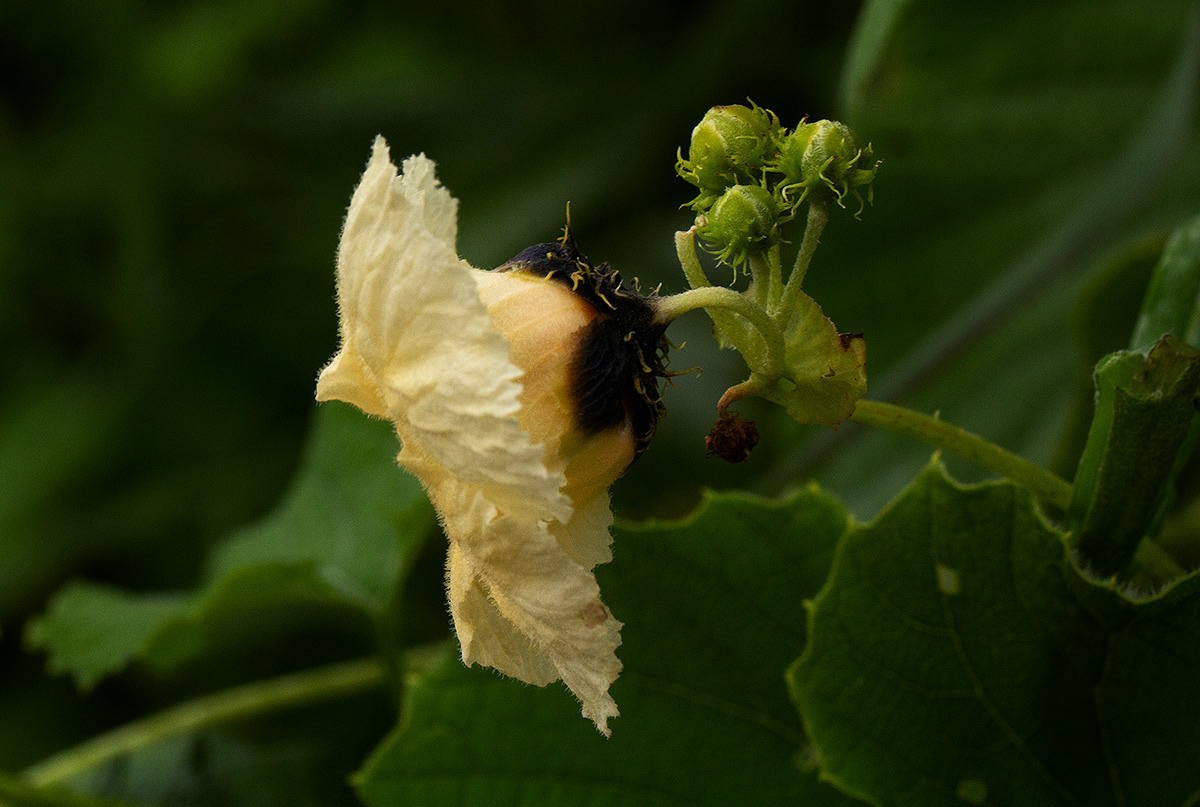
(955, 653)
(713, 607)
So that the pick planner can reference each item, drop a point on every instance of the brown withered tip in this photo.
(731, 438)
(847, 339)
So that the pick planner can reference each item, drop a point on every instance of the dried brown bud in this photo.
(732, 438)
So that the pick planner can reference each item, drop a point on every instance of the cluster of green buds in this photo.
(753, 174)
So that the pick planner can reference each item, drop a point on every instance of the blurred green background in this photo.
(172, 182)
(173, 178)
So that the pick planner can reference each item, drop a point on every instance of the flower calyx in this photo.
(622, 352)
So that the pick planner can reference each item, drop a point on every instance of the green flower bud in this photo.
(745, 219)
(730, 145)
(822, 162)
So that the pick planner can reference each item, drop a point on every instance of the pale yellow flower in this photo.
(479, 373)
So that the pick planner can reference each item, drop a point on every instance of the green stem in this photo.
(1043, 484)
(685, 247)
(326, 683)
(775, 291)
(818, 217)
(749, 388)
(671, 307)
(766, 272)
(760, 275)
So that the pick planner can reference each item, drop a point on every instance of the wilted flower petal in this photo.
(477, 372)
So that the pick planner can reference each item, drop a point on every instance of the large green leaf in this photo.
(712, 609)
(956, 655)
(341, 538)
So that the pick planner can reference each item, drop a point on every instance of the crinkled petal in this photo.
(586, 537)
(347, 378)
(484, 635)
(548, 604)
(417, 346)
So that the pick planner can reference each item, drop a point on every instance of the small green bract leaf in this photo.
(826, 370)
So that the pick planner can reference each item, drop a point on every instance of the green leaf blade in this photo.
(94, 631)
(956, 655)
(343, 514)
(1147, 699)
(1172, 302)
(15, 792)
(713, 607)
(911, 683)
(341, 539)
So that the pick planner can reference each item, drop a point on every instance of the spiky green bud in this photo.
(822, 162)
(744, 219)
(731, 145)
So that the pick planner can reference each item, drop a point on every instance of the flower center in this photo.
(546, 325)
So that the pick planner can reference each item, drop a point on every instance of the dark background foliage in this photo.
(173, 178)
(172, 182)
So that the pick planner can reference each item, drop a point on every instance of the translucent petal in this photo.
(416, 339)
(443, 350)
(552, 603)
(484, 634)
(586, 537)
